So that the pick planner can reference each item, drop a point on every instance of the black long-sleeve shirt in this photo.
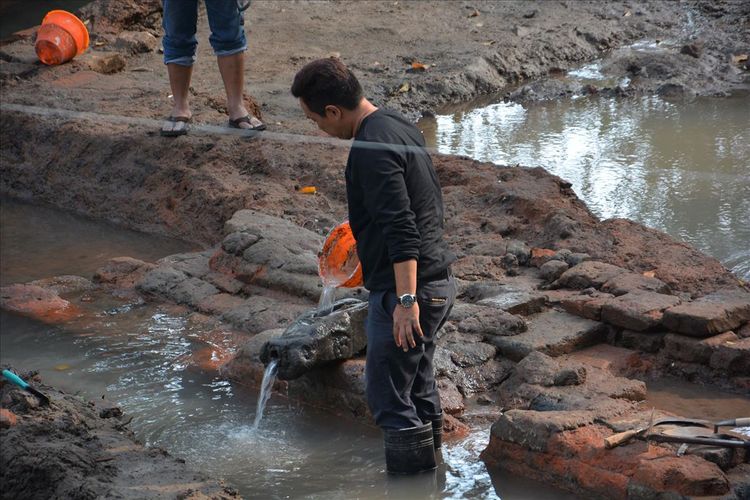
(395, 203)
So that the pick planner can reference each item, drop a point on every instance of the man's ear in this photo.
(333, 111)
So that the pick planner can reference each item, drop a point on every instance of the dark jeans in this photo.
(401, 389)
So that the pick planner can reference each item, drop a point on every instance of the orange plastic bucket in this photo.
(338, 263)
(60, 38)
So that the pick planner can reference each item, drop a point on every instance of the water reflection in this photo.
(682, 168)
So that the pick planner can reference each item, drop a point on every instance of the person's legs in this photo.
(435, 303)
(389, 371)
(180, 23)
(229, 44)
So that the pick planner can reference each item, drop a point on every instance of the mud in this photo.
(122, 171)
(78, 449)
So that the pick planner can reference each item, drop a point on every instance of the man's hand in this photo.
(405, 325)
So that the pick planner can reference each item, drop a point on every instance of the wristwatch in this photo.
(407, 300)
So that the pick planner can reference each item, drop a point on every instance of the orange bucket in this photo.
(60, 38)
(338, 263)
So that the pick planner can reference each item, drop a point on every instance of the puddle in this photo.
(678, 167)
(695, 401)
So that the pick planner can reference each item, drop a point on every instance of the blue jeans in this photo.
(180, 23)
(400, 386)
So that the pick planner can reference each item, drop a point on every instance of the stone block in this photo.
(540, 256)
(451, 400)
(486, 321)
(587, 274)
(106, 64)
(715, 313)
(193, 264)
(136, 42)
(586, 305)
(693, 350)
(516, 302)
(632, 282)
(642, 341)
(732, 357)
(192, 292)
(637, 311)
(122, 271)
(471, 354)
(533, 429)
(687, 475)
(552, 270)
(553, 333)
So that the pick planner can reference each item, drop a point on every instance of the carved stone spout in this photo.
(314, 340)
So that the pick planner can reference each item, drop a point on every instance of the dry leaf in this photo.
(491, 42)
(308, 190)
(628, 13)
(404, 87)
(474, 14)
(418, 66)
(739, 58)
(650, 274)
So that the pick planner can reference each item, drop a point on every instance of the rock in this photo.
(486, 321)
(259, 313)
(246, 366)
(587, 274)
(732, 357)
(192, 292)
(533, 429)
(694, 49)
(136, 42)
(160, 281)
(637, 311)
(645, 342)
(312, 341)
(195, 264)
(123, 272)
(64, 284)
(520, 249)
(451, 399)
(686, 475)
(553, 333)
(516, 301)
(695, 350)
(576, 258)
(715, 313)
(7, 419)
(471, 354)
(220, 303)
(337, 386)
(585, 305)
(744, 331)
(485, 400)
(552, 270)
(539, 369)
(236, 243)
(476, 267)
(632, 282)
(540, 256)
(114, 411)
(107, 64)
(37, 302)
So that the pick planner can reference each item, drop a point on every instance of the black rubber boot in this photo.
(437, 431)
(409, 451)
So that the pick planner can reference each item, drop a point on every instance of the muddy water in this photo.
(39, 242)
(143, 357)
(694, 401)
(679, 167)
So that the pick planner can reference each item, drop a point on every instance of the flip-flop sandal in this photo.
(175, 126)
(254, 123)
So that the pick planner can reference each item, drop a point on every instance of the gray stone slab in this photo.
(715, 313)
(637, 310)
(553, 333)
(587, 274)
